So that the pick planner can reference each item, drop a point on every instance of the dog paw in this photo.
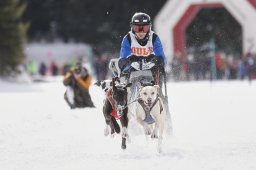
(154, 136)
(125, 135)
(159, 145)
(112, 135)
(147, 131)
(106, 131)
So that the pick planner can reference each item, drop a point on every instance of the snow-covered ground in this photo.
(214, 128)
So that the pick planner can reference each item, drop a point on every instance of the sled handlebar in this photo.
(134, 58)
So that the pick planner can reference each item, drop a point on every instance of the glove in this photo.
(133, 58)
(123, 62)
(151, 56)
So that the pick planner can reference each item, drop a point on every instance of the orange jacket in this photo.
(85, 82)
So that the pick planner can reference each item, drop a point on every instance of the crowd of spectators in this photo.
(204, 67)
(193, 67)
(98, 67)
(34, 69)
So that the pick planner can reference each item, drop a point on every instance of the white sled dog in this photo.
(151, 112)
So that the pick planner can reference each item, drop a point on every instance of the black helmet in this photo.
(140, 19)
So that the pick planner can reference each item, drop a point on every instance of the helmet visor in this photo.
(140, 28)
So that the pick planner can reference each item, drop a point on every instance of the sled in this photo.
(142, 74)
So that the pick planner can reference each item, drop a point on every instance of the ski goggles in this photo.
(140, 28)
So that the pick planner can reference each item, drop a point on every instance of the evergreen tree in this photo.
(101, 23)
(12, 35)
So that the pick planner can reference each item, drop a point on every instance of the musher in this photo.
(140, 44)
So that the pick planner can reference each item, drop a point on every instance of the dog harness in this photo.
(113, 103)
(149, 119)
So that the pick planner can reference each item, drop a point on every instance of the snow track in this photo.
(213, 123)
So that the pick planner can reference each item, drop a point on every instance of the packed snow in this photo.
(213, 129)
